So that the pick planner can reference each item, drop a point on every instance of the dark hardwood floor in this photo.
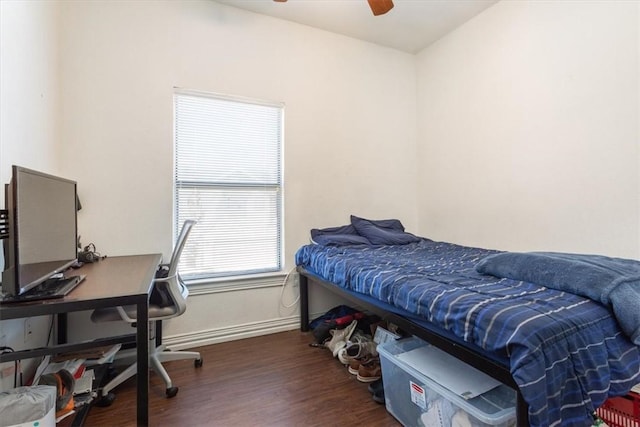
(274, 380)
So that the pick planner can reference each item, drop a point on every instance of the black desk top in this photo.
(113, 281)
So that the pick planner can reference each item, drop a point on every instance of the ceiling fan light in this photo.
(380, 7)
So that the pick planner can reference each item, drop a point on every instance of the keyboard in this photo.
(49, 289)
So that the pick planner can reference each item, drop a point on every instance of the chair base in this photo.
(156, 358)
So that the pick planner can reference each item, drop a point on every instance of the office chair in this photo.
(168, 299)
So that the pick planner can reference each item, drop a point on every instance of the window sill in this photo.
(236, 283)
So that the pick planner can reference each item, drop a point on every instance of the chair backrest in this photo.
(172, 285)
(180, 243)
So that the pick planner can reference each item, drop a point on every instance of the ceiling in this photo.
(410, 26)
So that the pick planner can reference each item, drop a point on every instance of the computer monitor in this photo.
(42, 223)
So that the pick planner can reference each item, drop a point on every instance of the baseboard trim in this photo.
(231, 333)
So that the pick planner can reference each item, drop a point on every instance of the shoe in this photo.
(342, 356)
(370, 371)
(375, 386)
(339, 338)
(378, 397)
(354, 366)
(358, 347)
(357, 337)
(362, 348)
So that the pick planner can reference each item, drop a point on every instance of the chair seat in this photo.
(111, 314)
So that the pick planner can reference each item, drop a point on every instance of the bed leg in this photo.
(304, 303)
(522, 411)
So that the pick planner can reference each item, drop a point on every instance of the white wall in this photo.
(29, 105)
(529, 129)
(349, 129)
(28, 128)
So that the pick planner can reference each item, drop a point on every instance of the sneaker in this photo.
(358, 347)
(339, 338)
(362, 348)
(370, 372)
(342, 356)
(357, 337)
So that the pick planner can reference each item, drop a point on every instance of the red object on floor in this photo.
(623, 411)
(346, 320)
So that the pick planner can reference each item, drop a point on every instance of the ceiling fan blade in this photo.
(380, 7)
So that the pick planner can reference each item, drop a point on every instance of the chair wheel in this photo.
(197, 363)
(106, 400)
(171, 391)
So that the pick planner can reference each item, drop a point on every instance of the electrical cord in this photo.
(284, 285)
(89, 254)
(50, 334)
(16, 365)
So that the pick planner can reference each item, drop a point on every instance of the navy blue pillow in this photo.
(383, 232)
(343, 235)
(393, 224)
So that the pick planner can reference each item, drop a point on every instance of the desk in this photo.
(112, 282)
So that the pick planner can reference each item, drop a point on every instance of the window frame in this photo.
(244, 278)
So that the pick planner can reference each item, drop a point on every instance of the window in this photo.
(228, 177)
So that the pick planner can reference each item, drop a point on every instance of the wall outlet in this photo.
(7, 370)
(28, 329)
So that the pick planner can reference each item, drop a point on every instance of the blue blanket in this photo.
(614, 282)
(566, 352)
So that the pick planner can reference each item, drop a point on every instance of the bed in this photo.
(563, 353)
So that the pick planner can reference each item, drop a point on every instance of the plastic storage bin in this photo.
(418, 401)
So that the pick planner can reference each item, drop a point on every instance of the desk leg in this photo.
(142, 346)
(62, 328)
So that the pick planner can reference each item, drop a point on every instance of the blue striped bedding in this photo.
(566, 352)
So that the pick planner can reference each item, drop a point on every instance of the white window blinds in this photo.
(228, 177)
